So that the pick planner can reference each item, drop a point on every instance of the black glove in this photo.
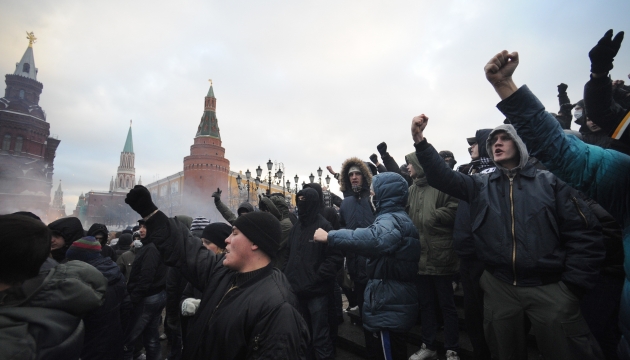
(139, 199)
(382, 148)
(562, 89)
(603, 54)
(374, 158)
(217, 195)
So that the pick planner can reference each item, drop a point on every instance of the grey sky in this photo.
(308, 84)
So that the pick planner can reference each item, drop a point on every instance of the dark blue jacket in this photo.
(392, 247)
(105, 326)
(529, 231)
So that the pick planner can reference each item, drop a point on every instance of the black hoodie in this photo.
(328, 213)
(70, 229)
(312, 266)
(106, 250)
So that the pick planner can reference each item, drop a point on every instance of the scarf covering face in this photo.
(308, 209)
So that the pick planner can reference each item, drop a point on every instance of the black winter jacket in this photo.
(175, 285)
(148, 273)
(241, 316)
(556, 237)
(105, 326)
(312, 266)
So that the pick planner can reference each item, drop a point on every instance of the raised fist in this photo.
(374, 158)
(418, 124)
(139, 199)
(382, 148)
(501, 67)
(603, 54)
(330, 170)
(217, 195)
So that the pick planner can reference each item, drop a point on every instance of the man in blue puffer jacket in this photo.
(392, 247)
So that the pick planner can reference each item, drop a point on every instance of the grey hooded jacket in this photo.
(529, 227)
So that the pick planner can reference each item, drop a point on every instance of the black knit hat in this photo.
(262, 229)
(216, 233)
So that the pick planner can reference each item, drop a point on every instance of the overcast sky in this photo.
(308, 84)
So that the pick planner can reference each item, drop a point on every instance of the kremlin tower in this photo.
(206, 168)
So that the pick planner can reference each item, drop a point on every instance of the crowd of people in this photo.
(533, 228)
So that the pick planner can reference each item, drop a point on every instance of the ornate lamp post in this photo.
(269, 167)
(248, 177)
(319, 173)
(311, 178)
(328, 180)
(288, 184)
(296, 178)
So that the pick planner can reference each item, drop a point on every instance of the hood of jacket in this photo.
(390, 192)
(244, 206)
(98, 228)
(318, 188)
(185, 219)
(344, 179)
(520, 145)
(482, 138)
(108, 268)
(268, 205)
(420, 179)
(308, 209)
(69, 228)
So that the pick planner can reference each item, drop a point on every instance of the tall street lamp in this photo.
(311, 178)
(269, 167)
(296, 178)
(319, 173)
(248, 177)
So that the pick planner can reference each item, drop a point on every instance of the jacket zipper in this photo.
(513, 228)
(575, 201)
(219, 304)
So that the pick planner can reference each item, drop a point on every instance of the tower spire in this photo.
(209, 125)
(26, 66)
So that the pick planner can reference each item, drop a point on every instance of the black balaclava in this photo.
(308, 209)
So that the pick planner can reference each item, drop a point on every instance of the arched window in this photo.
(6, 143)
(26, 67)
(21, 94)
(128, 184)
(18, 144)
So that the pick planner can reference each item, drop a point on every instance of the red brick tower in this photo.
(27, 151)
(206, 168)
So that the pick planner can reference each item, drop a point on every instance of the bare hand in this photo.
(320, 235)
(330, 169)
(499, 72)
(418, 124)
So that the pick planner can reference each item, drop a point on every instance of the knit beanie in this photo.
(125, 240)
(85, 249)
(216, 233)
(199, 223)
(262, 229)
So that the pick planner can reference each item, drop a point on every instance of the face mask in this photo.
(577, 114)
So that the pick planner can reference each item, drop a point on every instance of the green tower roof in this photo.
(129, 143)
(210, 91)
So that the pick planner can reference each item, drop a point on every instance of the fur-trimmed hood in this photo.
(344, 180)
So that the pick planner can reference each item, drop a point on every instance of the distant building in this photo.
(27, 151)
(109, 207)
(58, 209)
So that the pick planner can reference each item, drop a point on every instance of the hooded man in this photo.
(99, 231)
(312, 269)
(540, 244)
(64, 232)
(42, 302)
(245, 299)
(276, 205)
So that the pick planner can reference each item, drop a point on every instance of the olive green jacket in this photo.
(433, 214)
